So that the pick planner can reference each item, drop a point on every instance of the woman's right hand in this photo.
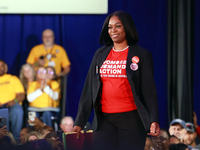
(78, 130)
(3, 132)
(36, 122)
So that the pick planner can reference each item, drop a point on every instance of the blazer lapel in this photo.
(103, 55)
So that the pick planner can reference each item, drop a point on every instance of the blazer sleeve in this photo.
(86, 101)
(148, 87)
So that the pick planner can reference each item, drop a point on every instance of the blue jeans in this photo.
(46, 117)
(16, 120)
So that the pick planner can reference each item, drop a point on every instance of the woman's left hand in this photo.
(154, 129)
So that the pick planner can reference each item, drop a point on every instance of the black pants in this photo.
(119, 131)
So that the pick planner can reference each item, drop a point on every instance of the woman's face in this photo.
(116, 30)
(41, 73)
(28, 72)
(50, 73)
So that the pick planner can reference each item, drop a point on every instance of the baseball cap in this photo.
(190, 127)
(179, 121)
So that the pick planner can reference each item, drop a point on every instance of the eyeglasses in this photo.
(50, 72)
(44, 71)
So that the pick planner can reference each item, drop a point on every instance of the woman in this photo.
(51, 73)
(34, 135)
(27, 74)
(43, 96)
(121, 89)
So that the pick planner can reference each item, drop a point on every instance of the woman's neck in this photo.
(30, 79)
(120, 46)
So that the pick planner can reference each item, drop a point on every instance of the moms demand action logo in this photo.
(113, 68)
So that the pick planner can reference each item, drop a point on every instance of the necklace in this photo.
(120, 50)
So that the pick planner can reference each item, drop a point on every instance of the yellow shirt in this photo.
(9, 86)
(43, 100)
(58, 56)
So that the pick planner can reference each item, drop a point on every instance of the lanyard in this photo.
(49, 55)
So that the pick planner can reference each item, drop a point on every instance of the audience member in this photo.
(5, 143)
(148, 144)
(24, 132)
(66, 124)
(11, 96)
(3, 132)
(174, 140)
(39, 144)
(178, 128)
(43, 96)
(179, 146)
(161, 142)
(51, 73)
(197, 127)
(45, 130)
(34, 135)
(27, 74)
(41, 127)
(50, 54)
(189, 138)
(52, 139)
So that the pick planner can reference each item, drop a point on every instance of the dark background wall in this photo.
(197, 61)
(79, 34)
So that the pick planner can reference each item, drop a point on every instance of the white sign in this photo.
(53, 6)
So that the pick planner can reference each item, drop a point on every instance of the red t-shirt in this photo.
(116, 94)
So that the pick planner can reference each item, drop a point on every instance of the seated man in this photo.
(66, 124)
(11, 97)
(49, 54)
(189, 138)
(161, 142)
(177, 128)
(43, 96)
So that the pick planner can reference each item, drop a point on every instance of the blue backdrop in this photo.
(79, 34)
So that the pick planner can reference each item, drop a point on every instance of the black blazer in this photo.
(141, 82)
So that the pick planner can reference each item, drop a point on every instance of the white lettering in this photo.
(110, 66)
(119, 66)
(123, 66)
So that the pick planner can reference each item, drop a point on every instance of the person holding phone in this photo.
(43, 96)
(120, 87)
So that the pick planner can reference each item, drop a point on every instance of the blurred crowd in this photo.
(32, 101)
(181, 135)
(34, 95)
(39, 136)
